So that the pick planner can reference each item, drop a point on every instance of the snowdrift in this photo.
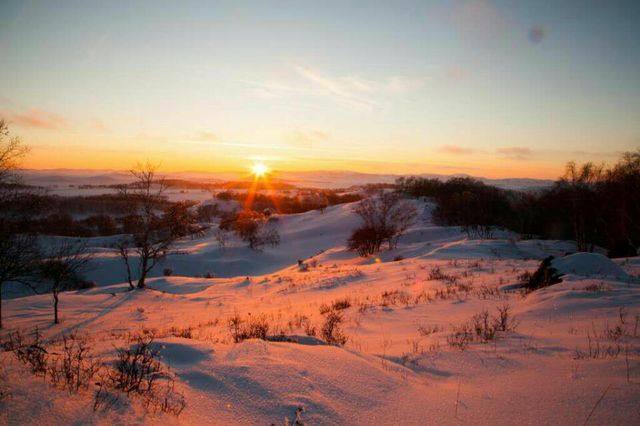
(592, 265)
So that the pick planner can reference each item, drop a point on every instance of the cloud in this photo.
(306, 139)
(351, 90)
(456, 149)
(206, 136)
(36, 118)
(360, 91)
(340, 89)
(516, 152)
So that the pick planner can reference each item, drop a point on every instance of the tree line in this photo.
(594, 205)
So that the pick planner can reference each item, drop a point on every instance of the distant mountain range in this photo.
(316, 179)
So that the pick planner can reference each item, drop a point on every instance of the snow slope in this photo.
(397, 366)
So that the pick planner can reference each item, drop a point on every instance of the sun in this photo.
(259, 169)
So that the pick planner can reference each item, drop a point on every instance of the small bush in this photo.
(461, 337)
(167, 272)
(331, 331)
(138, 372)
(482, 328)
(136, 367)
(436, 274)
(427, 330)
(505, 321)
(76, 366)
(365, 240)
(250, 328)
(341, 304)
(544, 276)
(29, 351)
(309, 328)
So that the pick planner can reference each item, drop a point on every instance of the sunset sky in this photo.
(489, 88)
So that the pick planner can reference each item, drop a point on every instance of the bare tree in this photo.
(18, 253)
(18, 257)
(385, 217)
(11, 151)
(152, 235)
(62, 268)
(254, 228)
(581, 182)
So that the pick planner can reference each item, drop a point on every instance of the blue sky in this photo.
(494, 88)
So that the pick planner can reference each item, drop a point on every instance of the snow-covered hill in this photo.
(403, 362)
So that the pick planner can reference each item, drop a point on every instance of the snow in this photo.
(389, 372)
(589, 265)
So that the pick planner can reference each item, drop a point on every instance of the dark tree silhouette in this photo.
(62, 267)
(385, 218)
(152, 231)
(18, 252)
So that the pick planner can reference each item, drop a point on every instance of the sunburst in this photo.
(259, 169)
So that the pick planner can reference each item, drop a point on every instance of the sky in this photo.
(487, 88)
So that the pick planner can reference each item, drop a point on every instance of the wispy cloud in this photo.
(35, 118)
(516, 152)
(350, 90)
(205, 136)
(456, 149)
(306, 139)
(345, 90)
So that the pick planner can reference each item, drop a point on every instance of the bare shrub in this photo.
(483, 326)
(598, 350)
(324, 308)
(167, 272)
(250, 328)
(427, 330)
(609, 341)
(460, 337)
(136, 367)
(137, 371)
(436, 274)
(394, 297)
(29, 350)
(76, 366)
(331, 331)
(309, 328)
(485, 292)
(184, 332)
(505, 321)
(341, 304)
(166, 399)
